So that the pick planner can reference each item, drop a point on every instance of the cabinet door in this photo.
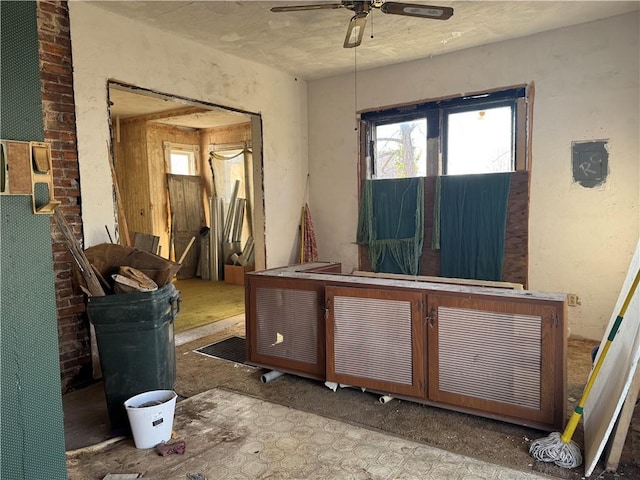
(496, 356)
(285, 325)
(375, 339)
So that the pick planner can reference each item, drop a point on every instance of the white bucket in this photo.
(151, 424)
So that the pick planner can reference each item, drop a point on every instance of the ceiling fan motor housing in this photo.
(359, 6)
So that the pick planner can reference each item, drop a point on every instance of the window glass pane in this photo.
(229, 168)
(401, 149)
(181, 163)
(480, 141)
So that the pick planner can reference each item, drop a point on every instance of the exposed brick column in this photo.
(58, 107)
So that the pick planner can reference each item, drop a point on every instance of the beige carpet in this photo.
(203, 302)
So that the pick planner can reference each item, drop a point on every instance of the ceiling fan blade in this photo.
(298, 8)
(414, 10)
(355, 31)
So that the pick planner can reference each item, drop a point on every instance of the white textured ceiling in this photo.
(126, 103)
(308, 44)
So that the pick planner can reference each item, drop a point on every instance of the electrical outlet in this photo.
(573, 300)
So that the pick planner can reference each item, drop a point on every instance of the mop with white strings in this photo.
(560, 449)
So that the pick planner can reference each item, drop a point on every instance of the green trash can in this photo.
(136, 345)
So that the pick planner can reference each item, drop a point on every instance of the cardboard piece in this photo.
(235, 273)
(107, 258)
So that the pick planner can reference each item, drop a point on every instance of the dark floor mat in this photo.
(231, 349)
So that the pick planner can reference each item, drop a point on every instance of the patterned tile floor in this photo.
(229, 436)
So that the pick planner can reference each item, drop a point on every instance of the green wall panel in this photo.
(31, 418)
(20, 98)
(32, 434)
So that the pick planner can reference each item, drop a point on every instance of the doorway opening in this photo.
(189, 176)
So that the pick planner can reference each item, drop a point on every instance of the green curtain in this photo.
(391, 224)
(473, 218)
(435, 235)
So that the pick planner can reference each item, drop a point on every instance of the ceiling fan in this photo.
(355, 31)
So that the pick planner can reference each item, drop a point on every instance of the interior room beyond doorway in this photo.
(185, 173)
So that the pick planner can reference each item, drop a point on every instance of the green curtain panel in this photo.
(391, 224)
(435, 235)
(473, 218)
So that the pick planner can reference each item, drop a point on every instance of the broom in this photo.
(560, 449)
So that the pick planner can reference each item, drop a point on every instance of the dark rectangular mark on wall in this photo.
(590, 163)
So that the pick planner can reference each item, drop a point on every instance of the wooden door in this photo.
(375, 339)
(285, 326)
(187, 218)
(502, 357)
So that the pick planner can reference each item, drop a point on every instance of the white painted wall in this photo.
(587, 88)
(107, 46)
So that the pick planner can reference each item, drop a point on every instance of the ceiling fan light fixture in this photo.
(413, 10)
(423, 11)
(355, 32)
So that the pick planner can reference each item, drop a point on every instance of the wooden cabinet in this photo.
(486, 351)
(375, 339)
(499, 356)
(285, 325)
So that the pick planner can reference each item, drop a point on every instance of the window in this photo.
(479, 141)
(181, 159)
(231, 164)
(229, 167)
(480, 133)
(442, 141)
(401, 149)
(181, 163)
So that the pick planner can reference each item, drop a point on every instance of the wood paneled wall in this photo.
(229, 134)
(140, 166)
(159, 200)
(133, 175)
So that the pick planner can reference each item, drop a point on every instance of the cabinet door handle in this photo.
(432, 317)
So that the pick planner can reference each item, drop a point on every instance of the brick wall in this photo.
(58, 107)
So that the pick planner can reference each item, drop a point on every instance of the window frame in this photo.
(472, 107)
(390, 121)
(435, 111)
(192, 150)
